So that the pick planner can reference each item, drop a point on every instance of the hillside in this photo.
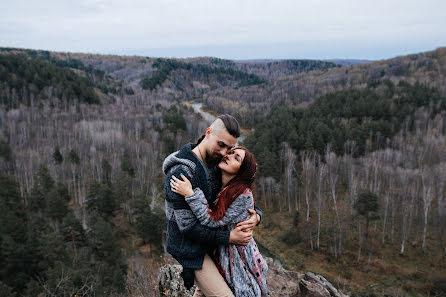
(170, 78)
(301, 89)
(351, 166)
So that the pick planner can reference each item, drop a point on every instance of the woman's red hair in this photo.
(236, 186)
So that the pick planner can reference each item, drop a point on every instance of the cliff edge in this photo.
(281, 282)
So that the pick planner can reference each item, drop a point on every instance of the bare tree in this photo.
(427, 182)
(332, 168)
(289, 158)
(387, 198)
(321, 174)
(308, 166)
(407, 202)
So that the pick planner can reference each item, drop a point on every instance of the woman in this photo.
(243, 268)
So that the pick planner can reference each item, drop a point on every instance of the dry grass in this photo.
(388, 273)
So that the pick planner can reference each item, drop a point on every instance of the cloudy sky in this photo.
(234, 29)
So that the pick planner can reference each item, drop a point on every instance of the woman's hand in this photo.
(182, 187)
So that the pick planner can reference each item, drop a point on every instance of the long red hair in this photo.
(238, 185)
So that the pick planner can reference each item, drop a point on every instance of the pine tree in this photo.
(367, 207)
(43, 185)
(110, 265)
(74, 157)
(148, 224)
(100, 199)
(57, 156)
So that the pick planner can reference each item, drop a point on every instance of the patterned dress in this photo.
(243, 267)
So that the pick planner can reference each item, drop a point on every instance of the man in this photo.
(187, 239)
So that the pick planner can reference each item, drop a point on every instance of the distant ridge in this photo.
(259, 60)
(348, 62)
(341, 62)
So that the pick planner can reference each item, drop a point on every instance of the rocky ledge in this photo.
(281, 282)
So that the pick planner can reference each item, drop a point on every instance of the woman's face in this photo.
(232, 161)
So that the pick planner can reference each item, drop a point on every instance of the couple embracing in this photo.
(211, 213)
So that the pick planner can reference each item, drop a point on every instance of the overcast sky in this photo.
(234, 29)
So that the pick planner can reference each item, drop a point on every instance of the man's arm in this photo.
(254, 220)
(259, 213)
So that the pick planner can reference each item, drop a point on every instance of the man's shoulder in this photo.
(179, 168)
(183, 157)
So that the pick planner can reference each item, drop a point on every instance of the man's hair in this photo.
(230, 124)
(224, 121)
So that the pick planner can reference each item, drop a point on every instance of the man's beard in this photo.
(213, 160)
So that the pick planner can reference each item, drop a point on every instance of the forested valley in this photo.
(352, 167)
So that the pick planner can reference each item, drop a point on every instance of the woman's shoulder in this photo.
(247, 196)
(247, 192)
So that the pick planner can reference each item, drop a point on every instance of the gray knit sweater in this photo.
(245, 269)
(186, 238)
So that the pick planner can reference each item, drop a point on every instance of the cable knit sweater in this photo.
(186, 238)
(244, 268)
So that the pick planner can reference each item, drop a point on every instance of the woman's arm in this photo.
(179, 211)
(236, 212)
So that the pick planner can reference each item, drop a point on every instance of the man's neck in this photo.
(198, 152)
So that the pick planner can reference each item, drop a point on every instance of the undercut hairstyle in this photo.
(224, 121)
(230, 124)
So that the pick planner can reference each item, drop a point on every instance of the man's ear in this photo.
(208, 131)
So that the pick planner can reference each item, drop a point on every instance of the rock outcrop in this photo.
(281, 282)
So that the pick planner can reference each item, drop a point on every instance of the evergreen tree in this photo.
(127, 166)
(74, 157)
(73, 232)
(149, 224)
(100, 199)
(110, 268)
(12, 236)
(52, 249)
(57, 156)
(106, 172)
(57, 206)
(6, 291)
(43, 185)
(5, 150)
(367, 207)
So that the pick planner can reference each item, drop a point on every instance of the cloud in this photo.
(114, 26)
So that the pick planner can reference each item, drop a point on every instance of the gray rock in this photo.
(310, 289)
(281, 282)
(312, 276)
(170, 282)
(325, 283)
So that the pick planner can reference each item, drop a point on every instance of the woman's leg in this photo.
(210, 282)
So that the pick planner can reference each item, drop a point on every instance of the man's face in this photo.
(218, 144)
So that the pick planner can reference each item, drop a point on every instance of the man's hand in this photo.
(240, 237)
(250, 223)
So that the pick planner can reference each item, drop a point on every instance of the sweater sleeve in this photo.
(185, 219)
(260, 213)
(236, 212)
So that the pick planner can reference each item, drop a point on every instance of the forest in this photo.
(351, 167)
(204, 72)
